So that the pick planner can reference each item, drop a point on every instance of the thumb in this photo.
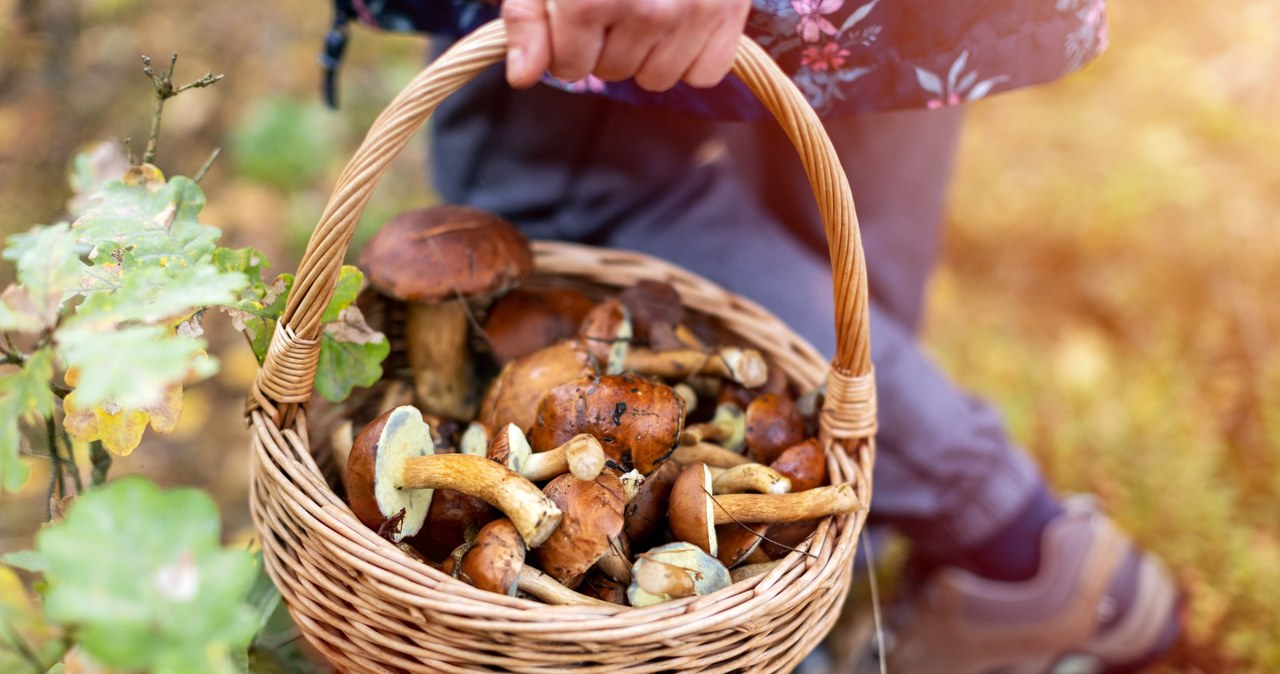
(528, 41)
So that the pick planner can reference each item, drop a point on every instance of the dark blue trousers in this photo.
(729, 201)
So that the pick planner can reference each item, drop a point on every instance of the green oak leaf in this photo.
(139, 574)
(156, 223)
(48, 264)
(24, 394)
(351, 354)
(132, 366)
(256, 312)
(153, 294)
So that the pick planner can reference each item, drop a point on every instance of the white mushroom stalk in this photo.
(581, 455)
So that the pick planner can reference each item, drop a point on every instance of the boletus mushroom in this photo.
(580, 455)
(526, 320)
(431, 258)
(636, 420)
(672, 571)
(393, 469)
(513, 396)
(695, 511)
(591, 523)
(772, 425)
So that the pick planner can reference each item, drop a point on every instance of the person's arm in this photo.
(658, 42)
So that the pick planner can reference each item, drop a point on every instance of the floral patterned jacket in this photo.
(846, 56)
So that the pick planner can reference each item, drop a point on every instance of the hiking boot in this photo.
(1097, 604)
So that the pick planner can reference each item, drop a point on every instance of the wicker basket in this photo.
(368, 606)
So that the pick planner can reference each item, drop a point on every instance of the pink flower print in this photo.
(831, 56)
(935, 103)
(812, 24)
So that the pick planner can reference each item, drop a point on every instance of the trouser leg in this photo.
(586, 169)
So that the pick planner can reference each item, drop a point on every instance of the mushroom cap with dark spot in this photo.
(434, 253)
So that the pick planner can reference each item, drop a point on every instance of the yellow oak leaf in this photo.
(120, 429)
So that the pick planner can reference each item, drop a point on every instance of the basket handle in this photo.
(288, 373)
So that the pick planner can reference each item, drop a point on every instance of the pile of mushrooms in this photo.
(619, 450)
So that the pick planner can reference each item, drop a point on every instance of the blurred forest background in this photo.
(1110, 279)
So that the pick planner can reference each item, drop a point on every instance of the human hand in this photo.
(658, 42)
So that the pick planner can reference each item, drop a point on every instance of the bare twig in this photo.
(207, 164)
(56, 486)
(163, 83)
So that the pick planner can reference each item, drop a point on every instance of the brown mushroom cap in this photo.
(592, 518)
(494, 560)
(804, 464)
(691, 514)
(523, 320)
(450, 516)
(435, 253)
(606, 331)
(646, 514)
(773, 424)
(636, 420)
(513, 396)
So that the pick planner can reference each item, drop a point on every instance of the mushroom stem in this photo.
(615, 564)
(545, 587)
(770, 508)
(726, 429)
(663, 578)
(582, 455)
(437, 351)
(534, 515)
(712, 455)
(750, 477)
(745, 366)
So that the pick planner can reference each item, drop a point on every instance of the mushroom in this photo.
(580, 455)
(494, 559)
(750, 477)
(773, 424)
(524, 321)
(734, 541)
(712, 455)
(646, 512)
(675, 570)
(544, 587)
(694, 511)
(606, 331)
(745, 366)
(803, 463)
(636, 420)
(513, 396)
(393, 469)
(592, 521)
(431, 258)
(727, 428)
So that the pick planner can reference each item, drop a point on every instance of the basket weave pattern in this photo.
(367, 606)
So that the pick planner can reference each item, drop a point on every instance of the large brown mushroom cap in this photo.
(435, 253)
(494, 560)
(636, 420)
(592, 519)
